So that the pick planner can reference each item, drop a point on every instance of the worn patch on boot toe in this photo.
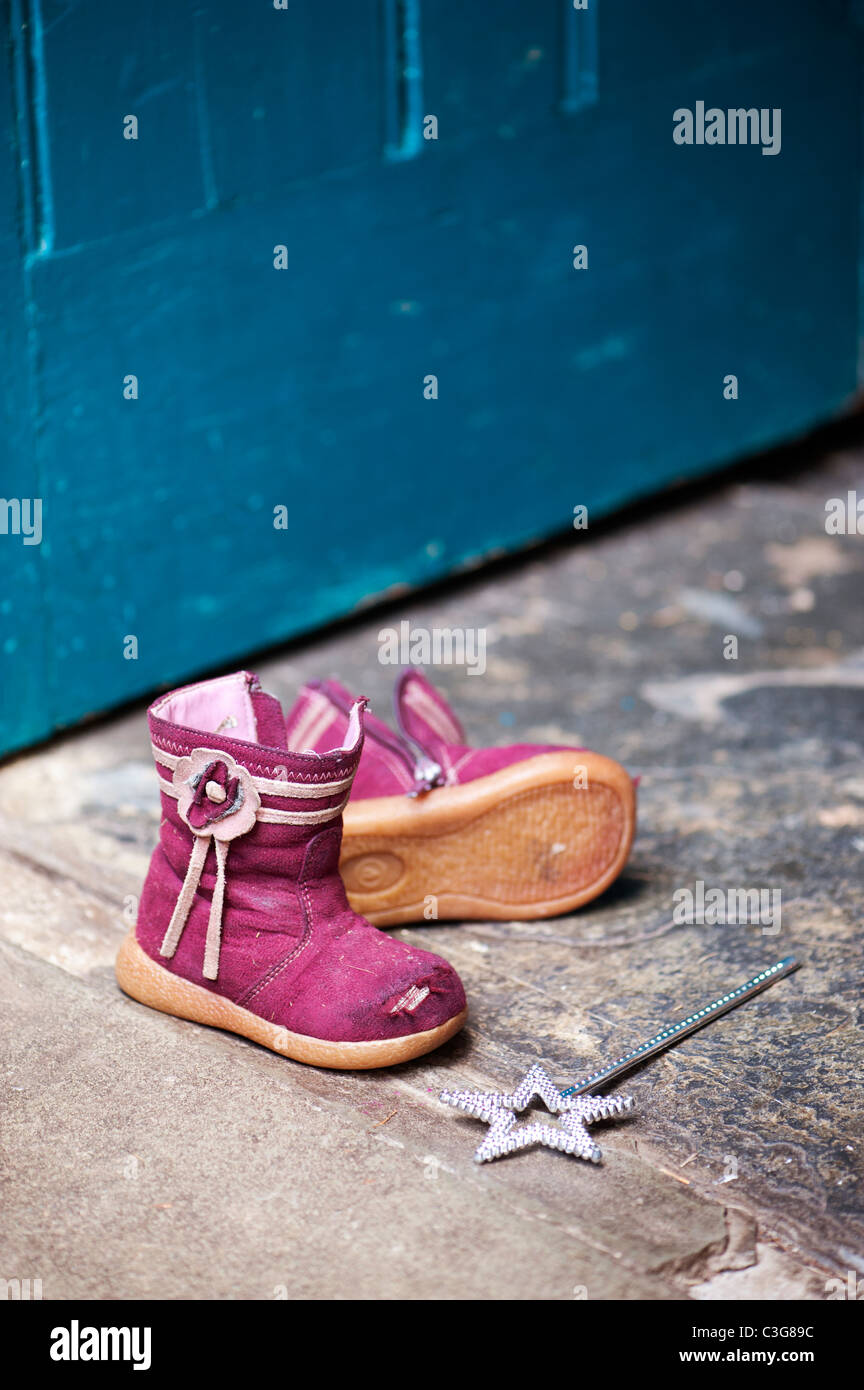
(410, 1000)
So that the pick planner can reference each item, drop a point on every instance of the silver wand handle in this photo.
(688, 1025)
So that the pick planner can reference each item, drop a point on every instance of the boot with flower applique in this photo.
(243, 921)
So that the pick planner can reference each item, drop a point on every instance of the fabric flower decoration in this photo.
(215, 795)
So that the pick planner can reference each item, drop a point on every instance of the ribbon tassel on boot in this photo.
(213, 943)
(183, 905)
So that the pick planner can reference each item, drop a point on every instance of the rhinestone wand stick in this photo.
(688, 1025)
(578, 1106)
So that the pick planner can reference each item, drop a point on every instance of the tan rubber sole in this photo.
(152, 984)
(538, 838)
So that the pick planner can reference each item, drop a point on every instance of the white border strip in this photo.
(273, 816)
(269, 786)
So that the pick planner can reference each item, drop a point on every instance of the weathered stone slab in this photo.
(148, 1157)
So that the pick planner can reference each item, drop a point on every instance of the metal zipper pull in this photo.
(427, 774)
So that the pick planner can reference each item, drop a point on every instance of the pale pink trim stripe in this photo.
(266, 785)
(437, 719)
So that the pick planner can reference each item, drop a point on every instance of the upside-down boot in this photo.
(243, 921)
(437, 829)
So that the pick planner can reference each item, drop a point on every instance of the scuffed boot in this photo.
(243, 922)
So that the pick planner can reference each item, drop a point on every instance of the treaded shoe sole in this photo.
(150, 983)
(538, 838)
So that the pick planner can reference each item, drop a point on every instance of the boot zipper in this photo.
(424, 770)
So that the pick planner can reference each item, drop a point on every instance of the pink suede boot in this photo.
(436, 828)
(243, 921)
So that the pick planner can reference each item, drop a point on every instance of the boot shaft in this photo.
(247, 827)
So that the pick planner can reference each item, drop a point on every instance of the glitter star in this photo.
(498, 1111)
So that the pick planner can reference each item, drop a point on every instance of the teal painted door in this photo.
(308, 388)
